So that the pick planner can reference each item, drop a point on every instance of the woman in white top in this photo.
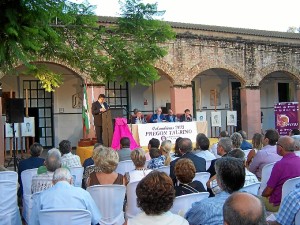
(155, 196)
(139, 159)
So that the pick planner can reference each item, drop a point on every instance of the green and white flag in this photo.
(85, 111)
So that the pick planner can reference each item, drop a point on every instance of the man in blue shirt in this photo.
(245, 144)
(230, 177)
(64, 196)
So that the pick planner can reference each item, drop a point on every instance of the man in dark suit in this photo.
(186, 117)
(158, 117)
(185, 148)
(171, 117)
(99, 107)
(32, 162)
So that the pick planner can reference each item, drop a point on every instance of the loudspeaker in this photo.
(15, 110)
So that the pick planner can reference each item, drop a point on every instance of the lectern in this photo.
(107, 124)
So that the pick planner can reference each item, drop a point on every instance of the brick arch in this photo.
(166, 69)
(289, 69)
(204, 65)
(56, 61)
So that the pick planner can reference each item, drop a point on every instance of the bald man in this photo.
(243, 209)
(286, 168)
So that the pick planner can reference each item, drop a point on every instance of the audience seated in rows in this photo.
(202, 147)
(34, 161)
(236, 139)
(186, 117)
(224, 146)
(243, 209)
(106, 160)
(245, 144)
(267, 154)
(124, 152)
(155, 196)
(157, 117)
(213, 148)
(185, 149)
(165, 149)
(64, 196)
(286, 168)
(257, 142)
(250, 178)
(43, 181)
(231, 177)
(288, 209)
(176, 148)
(139, 160)
(185, 173)
(68, 159)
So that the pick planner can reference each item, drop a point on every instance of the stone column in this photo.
(96, 90)
(181, 99)
(250, 110)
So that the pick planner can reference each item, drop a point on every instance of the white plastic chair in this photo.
(65, 216)
(125, 166)
(252, 188)
(110, 201)
(26, 177)
(132, 209)
(9, 210)
(265, 175)
(165, 169)
(183, 203)
(208, 162)
(77, 174)
(297, 218)
(203, 177)
(9, 175)
(290, 185)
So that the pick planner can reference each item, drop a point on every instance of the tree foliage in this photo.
(69, 32)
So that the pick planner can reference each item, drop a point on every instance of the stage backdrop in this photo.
(286, 117)
(166, 131)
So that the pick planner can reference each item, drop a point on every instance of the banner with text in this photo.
(286, 117)
(166, 131)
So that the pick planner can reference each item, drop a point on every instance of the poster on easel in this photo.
(216, 119)
(201, 116)
(231, 118)
(9, 130)
(28, 127)
(286, 117)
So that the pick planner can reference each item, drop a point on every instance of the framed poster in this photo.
(201, 116)
(9, 130)
(216, 119)
(27, 127)
(231, 118)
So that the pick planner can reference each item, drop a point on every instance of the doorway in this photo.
(236, 102)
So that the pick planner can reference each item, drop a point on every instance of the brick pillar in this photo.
(181, 99)
(97, 90)
(250, 109)
(1, 136)
(298, 99)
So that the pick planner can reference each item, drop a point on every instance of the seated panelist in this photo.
(186, 117)
(171, 117)
(138, 118)
(157, 117)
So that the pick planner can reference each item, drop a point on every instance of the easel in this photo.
(217, 130)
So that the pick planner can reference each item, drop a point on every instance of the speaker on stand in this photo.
(14, 114)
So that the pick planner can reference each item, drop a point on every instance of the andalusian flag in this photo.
(85, 111)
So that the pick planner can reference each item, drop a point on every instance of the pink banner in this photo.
(286, 117)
